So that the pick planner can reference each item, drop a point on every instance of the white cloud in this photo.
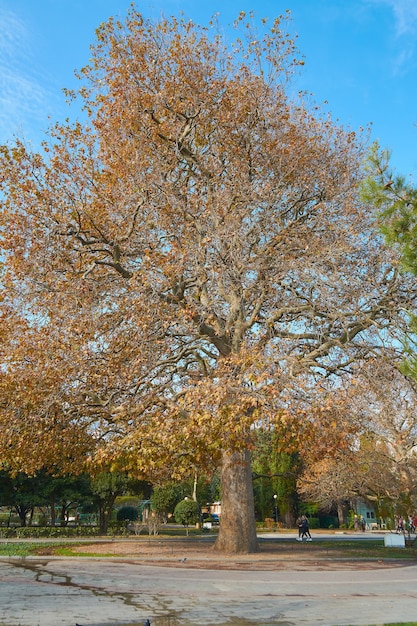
(404, 31)
(24, 93)
(405, 14)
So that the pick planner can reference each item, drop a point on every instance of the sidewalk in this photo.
(109, 592)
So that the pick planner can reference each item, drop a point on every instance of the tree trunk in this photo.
(105, 511)
(53, 512)
(103, 520)
(340, 513)
(194, 496)
(64, 515)
(237, 532)
(22, 512)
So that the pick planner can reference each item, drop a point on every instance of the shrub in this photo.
(6, 533)
(118, 528)
(313, 522)
(56, 531)
(127, 512)
(187, 512)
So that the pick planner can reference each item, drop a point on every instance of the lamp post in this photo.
(276, 509)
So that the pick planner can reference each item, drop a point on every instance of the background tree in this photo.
(275, 472)
(377, 454)
(63, 494)
(165, 498)
(22, 493)
(195, 255)
(69, 492)
(388, 445)
(105, 487)
(331, 483)
(325, 441)
(396, 201)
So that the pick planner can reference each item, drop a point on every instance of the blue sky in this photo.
(360, 57)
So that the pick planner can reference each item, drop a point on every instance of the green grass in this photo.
(360, 550)
(24, 548)
(349, 550)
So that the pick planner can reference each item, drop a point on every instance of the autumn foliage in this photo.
(181, 266)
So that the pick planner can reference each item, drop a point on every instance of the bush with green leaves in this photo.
(24, 532)
(187, 512)
(6, 533)
(118, 529)
(130, 513)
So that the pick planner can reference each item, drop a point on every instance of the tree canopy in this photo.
(183, 266)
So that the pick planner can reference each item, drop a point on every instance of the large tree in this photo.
(195, 254)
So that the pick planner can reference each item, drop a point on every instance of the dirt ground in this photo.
(272, 556)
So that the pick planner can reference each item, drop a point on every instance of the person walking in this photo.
(400, 526)
(300, 527)
(305, 529)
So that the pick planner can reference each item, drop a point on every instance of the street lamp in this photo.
(276, 509)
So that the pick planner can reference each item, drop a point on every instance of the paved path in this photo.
(98, 592)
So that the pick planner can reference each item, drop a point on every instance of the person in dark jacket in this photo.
(305, 529)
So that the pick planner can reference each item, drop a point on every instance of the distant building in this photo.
(366, 509)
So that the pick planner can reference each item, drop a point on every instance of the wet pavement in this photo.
(106, 592)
